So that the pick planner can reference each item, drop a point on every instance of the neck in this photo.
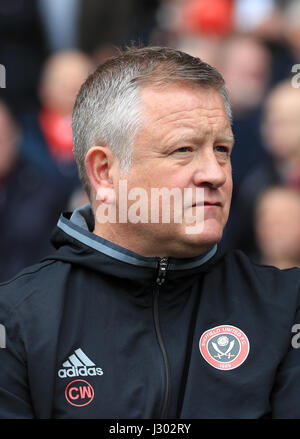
(137, 241)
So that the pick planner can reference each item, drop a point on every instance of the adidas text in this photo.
(79, 371)
(79, 364)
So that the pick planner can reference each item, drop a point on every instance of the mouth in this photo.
(208, 203)
(211, 203)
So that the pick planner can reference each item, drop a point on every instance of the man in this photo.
(138, 314)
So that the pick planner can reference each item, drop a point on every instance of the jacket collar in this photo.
(79, 226)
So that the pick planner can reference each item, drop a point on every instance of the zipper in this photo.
(160, 280)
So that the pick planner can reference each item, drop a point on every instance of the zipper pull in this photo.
(162, 270)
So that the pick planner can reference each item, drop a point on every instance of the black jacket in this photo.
(97, 331)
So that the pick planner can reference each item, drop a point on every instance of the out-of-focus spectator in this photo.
(262, 20)
(265, 20)
(251, 15)
(62, 77)
(30, 203)
(60, 22)
(196, 17)
(23, 49)
(207, 17)
(281, 131)
(281, 134)
(277, 227)
(246, 70)
(114, 22)
(291, 28)
(9, 139)
(47, 138)
(206, 48)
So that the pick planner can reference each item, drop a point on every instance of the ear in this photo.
(98, 164)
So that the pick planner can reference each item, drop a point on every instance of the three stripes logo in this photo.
(79, 364)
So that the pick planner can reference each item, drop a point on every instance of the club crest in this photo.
(224, 347)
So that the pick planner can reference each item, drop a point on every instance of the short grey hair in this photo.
(108, 109)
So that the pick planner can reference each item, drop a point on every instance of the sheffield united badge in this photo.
(224, 347)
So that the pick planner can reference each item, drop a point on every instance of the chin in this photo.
(178, 243)
(211, 233)
(195, 245)
(208, 240)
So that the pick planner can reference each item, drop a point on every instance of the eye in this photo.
(223, 149)
(184, 149)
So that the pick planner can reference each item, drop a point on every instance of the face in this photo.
(278, 225)
(62, 79)
(185, 141)
(8, 143)
(246, 81)
(281, 127)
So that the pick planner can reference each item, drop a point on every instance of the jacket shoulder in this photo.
(246, 260)
(31, 281)
(267, 278)
(243, 260)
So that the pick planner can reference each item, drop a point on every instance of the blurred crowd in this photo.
(48, 48)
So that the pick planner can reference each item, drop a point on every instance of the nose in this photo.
(209, 172)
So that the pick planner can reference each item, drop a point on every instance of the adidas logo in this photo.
(79, 364)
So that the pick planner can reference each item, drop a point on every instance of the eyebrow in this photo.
(226, 139)
(221, 138)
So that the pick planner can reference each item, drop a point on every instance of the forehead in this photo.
(285, 101)
(181, 105)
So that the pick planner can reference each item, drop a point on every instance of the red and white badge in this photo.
(79, 393)
(224, 347)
